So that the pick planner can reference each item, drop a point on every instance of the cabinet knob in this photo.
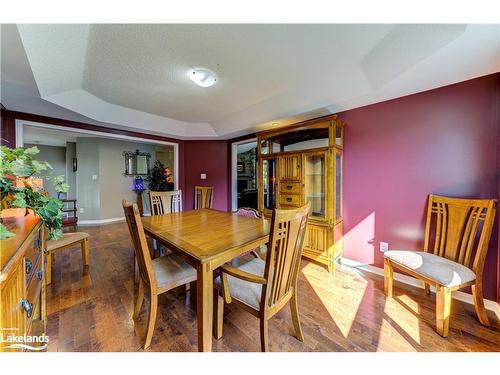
(289, 199)
(289, 187)
(28, 264)
(28, 307)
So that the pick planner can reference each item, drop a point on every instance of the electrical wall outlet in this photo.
(384, 246)
(82, 210)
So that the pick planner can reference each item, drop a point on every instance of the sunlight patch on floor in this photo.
(341, 303)
(402, 318)
(387, 341)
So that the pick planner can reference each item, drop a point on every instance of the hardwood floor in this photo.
(344, 311)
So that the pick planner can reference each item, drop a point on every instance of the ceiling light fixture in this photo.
(202, 77)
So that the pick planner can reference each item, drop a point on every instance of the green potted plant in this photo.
(157, 178)
(20, 163)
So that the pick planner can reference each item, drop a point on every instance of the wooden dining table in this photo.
(207, 238)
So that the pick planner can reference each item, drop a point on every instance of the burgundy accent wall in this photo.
(442, 141)
(498, 177)
(210, 157)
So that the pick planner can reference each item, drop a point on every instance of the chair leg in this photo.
(264, 338)
(294, 308)
(218, 314)
(388, 278)
(477, 295)
(48, 270)
(85, 252)
(331, 267)
(139, 298)
(153, 307)
(443, 308)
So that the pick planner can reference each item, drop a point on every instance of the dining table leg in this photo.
(204, 305)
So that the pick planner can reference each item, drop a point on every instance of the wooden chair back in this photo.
(165, 202)
(203, 196)
(460, 229)
(248, 212)
(139, 242)
(284, 252)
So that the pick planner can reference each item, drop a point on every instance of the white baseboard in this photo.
(461, 296)
(99, 222)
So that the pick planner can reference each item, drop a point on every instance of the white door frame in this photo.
(234, 171)
(20, 141)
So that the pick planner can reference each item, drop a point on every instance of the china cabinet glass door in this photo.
(315, 183)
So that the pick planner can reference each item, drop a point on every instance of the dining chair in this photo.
(157, 275)
(261, 287)
(253, 213)
(249, 212)
(164, 202)
(67, 240)
(457, 234)
(203, 197)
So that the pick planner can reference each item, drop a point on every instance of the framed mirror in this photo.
(136, 163)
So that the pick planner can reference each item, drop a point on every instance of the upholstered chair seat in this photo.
(244, 291)
(443, 271)
(172, 271)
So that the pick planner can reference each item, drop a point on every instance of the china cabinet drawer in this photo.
(290, 200)
(290, 187)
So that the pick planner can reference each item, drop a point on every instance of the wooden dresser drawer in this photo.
(290, 200)
(22, 288)
(290, 187)
(33, 289)
(31, 257)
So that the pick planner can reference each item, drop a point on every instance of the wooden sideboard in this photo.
(22, 281)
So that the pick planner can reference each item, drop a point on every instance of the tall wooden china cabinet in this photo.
(302, 163)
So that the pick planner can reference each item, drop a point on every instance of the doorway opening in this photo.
(96, 167)
(244, 174)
